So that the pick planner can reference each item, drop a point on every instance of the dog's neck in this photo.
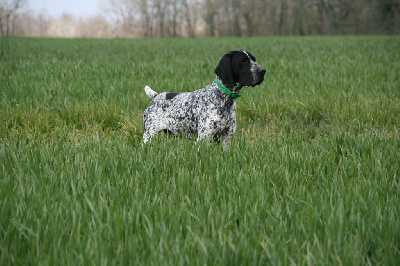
(232, 91)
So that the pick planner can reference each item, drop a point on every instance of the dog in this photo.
(208, 113)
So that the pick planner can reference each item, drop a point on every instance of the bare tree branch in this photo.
(8, 11)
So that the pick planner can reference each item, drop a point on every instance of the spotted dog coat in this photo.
(208, 113)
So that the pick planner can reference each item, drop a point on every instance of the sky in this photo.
(55, 8)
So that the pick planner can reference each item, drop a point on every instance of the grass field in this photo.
(312, 176)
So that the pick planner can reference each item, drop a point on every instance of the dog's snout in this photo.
(260, 76)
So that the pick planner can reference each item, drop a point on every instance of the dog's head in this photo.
(239, 68)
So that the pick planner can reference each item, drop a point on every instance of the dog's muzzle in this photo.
(260, 77)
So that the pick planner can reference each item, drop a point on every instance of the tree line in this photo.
(189, 18)
(199, 18)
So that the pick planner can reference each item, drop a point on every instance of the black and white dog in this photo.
(208, 113)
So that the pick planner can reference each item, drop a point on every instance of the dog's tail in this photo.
(150, 93)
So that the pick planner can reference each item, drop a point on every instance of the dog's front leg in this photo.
(202, 136)
(226, 141)
(226, 138)
(204, 133)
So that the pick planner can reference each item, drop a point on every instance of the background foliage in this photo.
(200, 18)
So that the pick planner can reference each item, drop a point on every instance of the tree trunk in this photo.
(210, 18)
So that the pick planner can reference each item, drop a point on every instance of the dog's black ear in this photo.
(224, 70)
(251, 56)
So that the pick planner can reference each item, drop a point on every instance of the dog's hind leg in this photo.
(152, 124)
(148, 134)
(146, 137)
(150, 131)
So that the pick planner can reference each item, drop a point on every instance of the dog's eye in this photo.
(245, 60)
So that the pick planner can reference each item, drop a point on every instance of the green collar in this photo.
(222, 87)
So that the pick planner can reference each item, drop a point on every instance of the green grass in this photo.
(312, 176)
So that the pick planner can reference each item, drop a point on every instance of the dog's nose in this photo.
(263, 71)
